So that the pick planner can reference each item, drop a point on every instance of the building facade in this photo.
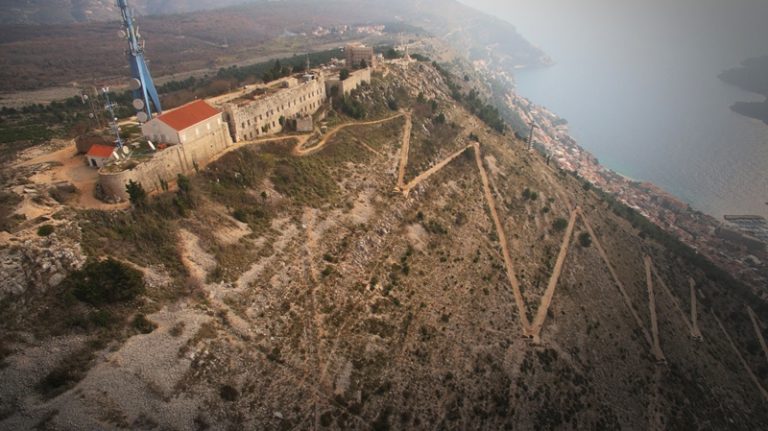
(356, 54)
(265, 114)
(188, 123)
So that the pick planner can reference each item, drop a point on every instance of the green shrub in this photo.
(229, 393)
(105, 282)
(142, 324)
(136, 194)
(240, 215)
(530, 194)
(559, 224)
(45, 230)
(585, 239)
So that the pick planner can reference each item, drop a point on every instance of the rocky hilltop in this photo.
(410, 269)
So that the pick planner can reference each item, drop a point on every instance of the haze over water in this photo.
(638, 83)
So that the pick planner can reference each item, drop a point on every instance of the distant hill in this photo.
(78, 50)
(46, 12)
(751, 76)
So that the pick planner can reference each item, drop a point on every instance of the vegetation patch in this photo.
(306, 180)
(45, 230)
(106, 282)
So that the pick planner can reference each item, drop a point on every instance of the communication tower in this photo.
(145, 96)
(113, 124)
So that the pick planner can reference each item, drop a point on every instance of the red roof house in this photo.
(188, 115)
(99, 155)
(183, 124)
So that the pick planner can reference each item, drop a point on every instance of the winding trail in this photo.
(524, 322)
(546, 300)
(673, 298)
(695, 332)
(619, 284)
(299, 150)
(656, 349)
(406, 189)
(758, 333)
(741, 359)
(313, 328)
(404, 149)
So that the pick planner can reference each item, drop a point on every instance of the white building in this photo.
(188, 123)
(99, 155)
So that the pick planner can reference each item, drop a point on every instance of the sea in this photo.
(638, 83)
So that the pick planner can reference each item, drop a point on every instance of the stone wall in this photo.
(166, 164)
(261, 117)
(356, 78)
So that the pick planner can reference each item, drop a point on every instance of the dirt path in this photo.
(313, 327)
(404, 149)
(656, 349)
(655, 420)
(741, 359)
(758, 332)
(695, 332)
(504, 245)
(299, 150)
(546, 300)
(406, 189)
(674, 299)
(618, 282)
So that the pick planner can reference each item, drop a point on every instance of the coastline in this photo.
(746, 258)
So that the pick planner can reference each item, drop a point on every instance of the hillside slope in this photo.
(389, 275)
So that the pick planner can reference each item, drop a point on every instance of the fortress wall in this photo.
(167, 164)
(261, 117)
(355, 79)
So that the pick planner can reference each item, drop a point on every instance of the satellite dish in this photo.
(134, 84)
(126, 150)
(138, 104)
(142, 117)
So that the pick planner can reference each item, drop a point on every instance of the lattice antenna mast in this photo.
(110, 107)
(144, 91)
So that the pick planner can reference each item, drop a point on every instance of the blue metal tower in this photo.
(144, 91)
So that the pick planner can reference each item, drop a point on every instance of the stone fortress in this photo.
(189, 137)
(265, 110)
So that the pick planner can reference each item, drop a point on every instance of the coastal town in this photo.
(737, 243)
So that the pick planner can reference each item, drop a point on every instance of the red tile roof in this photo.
(188, 115)
(103, 151)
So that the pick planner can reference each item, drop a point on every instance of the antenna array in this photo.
(143, 87)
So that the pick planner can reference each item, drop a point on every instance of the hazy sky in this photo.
(658, 21)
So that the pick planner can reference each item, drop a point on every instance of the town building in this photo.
(267, 109)
(191, 122)
(358, 54)
(99, 155)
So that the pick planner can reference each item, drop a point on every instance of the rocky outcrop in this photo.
(38, 264)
